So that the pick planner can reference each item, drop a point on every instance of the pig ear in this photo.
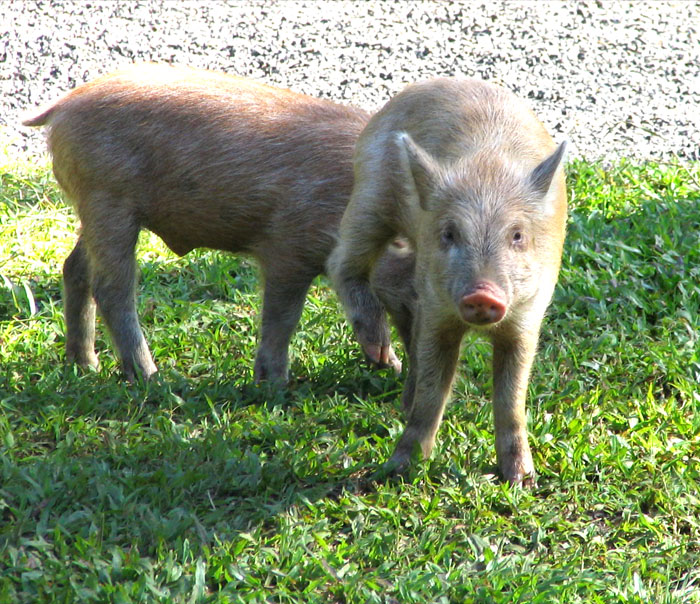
(542, 175)
(417, 170)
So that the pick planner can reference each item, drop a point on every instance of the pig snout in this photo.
(484, 305)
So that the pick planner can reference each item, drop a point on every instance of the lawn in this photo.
(202, 487)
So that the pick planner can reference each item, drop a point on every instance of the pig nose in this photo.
(485, 305)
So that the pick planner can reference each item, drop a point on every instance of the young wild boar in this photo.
(470, 177)
(202, 159)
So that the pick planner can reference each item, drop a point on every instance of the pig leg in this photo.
(362, 239)
(79, 308)
(399, 303)
(512, 359)
(392, 282)
(111, 235)
(283, 302)
(409, 388)
(436, 355)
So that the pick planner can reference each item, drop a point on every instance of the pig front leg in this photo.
(368, 319)
(362, 239)
(283, 302)
(409, 388)
(79, 308)
(431, 372)
(512, 360)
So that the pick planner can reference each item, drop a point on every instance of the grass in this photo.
(201, 487)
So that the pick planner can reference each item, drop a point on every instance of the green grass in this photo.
(201, 487)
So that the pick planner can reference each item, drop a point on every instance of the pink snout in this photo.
(485, 305)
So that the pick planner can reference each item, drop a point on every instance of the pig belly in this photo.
(183, 232)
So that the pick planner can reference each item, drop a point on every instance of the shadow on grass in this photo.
(143, 465)
(204, 457)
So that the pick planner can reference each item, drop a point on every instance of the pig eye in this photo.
(518, 237)
(448, 236)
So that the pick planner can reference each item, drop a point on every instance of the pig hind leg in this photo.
(283, 302)
(79, 308)
(110, 234)
(392, 282)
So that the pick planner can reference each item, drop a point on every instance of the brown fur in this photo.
(470, 177)
(202, 159)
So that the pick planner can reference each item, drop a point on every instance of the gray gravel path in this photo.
(619, 79)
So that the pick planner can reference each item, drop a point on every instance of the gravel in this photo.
(618, 79)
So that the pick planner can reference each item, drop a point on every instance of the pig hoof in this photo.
(391, 469)
(373, 353)
(142, 376)
(393, 361)
(269, 373)
(272, 381)
(87, 360)
(382, 357)
(522, 478)
(529, 481)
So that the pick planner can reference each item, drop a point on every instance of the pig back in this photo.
(455, 117)
(205, 159)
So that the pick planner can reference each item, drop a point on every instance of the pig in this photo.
(202, 159)
(469, 176)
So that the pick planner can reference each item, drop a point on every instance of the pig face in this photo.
(485, 245)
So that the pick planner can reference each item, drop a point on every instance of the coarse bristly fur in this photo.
(468, 174)
(202, 159)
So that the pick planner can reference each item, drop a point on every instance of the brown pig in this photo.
(202, 159)
(468, 174)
